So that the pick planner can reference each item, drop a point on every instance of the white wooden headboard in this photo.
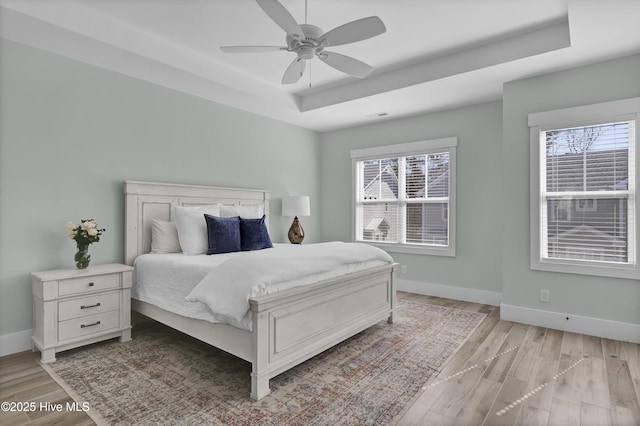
(152, 200)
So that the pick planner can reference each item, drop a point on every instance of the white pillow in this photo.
(192, 228)
(164, 237)
(250, 211)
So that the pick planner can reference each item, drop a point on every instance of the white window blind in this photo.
(585, 180)
(584, 204)
(404, 200)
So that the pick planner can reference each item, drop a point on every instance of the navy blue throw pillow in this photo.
(223, 234)
(254, 234)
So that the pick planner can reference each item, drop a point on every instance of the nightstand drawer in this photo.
(89, 305)
(88, 325)
(88, 284)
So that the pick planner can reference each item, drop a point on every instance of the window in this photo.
(404, 196)
(583, 190)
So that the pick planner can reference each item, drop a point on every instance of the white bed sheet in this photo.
(164, 280)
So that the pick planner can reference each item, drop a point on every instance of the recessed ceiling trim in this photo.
(522, 45)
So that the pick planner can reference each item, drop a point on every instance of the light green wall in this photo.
(478, 245)
(597, 297)
(71, 134)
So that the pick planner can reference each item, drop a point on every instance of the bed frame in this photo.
(290, 326)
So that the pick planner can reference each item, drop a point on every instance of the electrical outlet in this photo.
(545, 296)
(403, 269)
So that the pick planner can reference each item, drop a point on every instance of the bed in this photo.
(287, 327)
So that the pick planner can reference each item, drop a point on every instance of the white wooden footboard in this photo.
(292, 326)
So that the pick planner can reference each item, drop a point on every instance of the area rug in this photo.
(165, 377)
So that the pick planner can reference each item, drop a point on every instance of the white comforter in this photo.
(226, 290)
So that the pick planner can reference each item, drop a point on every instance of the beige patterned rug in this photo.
(165, 377)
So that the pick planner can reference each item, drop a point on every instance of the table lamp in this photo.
(298, 205)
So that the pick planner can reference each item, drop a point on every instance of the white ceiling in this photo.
(435, 54)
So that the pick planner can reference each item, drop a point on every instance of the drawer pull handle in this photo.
(91, 284)
(90, 306)
(90, 325)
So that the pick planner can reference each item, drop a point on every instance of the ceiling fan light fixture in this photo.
(306, 53)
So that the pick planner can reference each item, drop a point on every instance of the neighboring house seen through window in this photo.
(583, 199)
(404, 196)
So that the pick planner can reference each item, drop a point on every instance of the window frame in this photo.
(586, 115)
(425, 147)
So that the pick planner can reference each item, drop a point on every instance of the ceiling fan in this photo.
(307, 41)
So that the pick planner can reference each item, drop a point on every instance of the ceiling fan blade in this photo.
(346, 64)
(294, 71)
(351, 32)
(282, 17)
(251, 49)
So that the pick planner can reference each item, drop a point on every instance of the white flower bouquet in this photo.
(84, 234)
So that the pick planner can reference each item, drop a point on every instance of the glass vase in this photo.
(82, 257)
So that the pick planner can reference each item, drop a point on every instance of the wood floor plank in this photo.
(413, 415)
(568, 384)
(632, 355)
(593, 415)
(621, 389)
(459, 393)
(592, 347)
(470, 347)
(43, 389)
(531, 416)
(571, 344)
(17, 358)
(510, 391)
(528, 353)
(613, 349)
(20, 371)
(24, 384)
(432, 418)
(552, 344)
(485, 309)
(593, 376)
(541, 383)
(13, 418)
(479, 403)
(63, 419)
(500, 366)
(436, 394)
(623, 416)
(564, 413)
(491, 344)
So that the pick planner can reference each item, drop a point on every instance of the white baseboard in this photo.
(15, 342)
(574, 323)
(485, 297)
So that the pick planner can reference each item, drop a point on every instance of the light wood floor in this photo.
(505, 374)
(514, 374)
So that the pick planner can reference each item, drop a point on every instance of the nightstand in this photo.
(76, 307)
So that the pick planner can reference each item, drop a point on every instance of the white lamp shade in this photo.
(296, 206)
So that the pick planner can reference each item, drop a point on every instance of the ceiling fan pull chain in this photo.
(306, 16)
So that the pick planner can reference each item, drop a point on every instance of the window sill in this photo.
(587, 268)
(413, 249)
